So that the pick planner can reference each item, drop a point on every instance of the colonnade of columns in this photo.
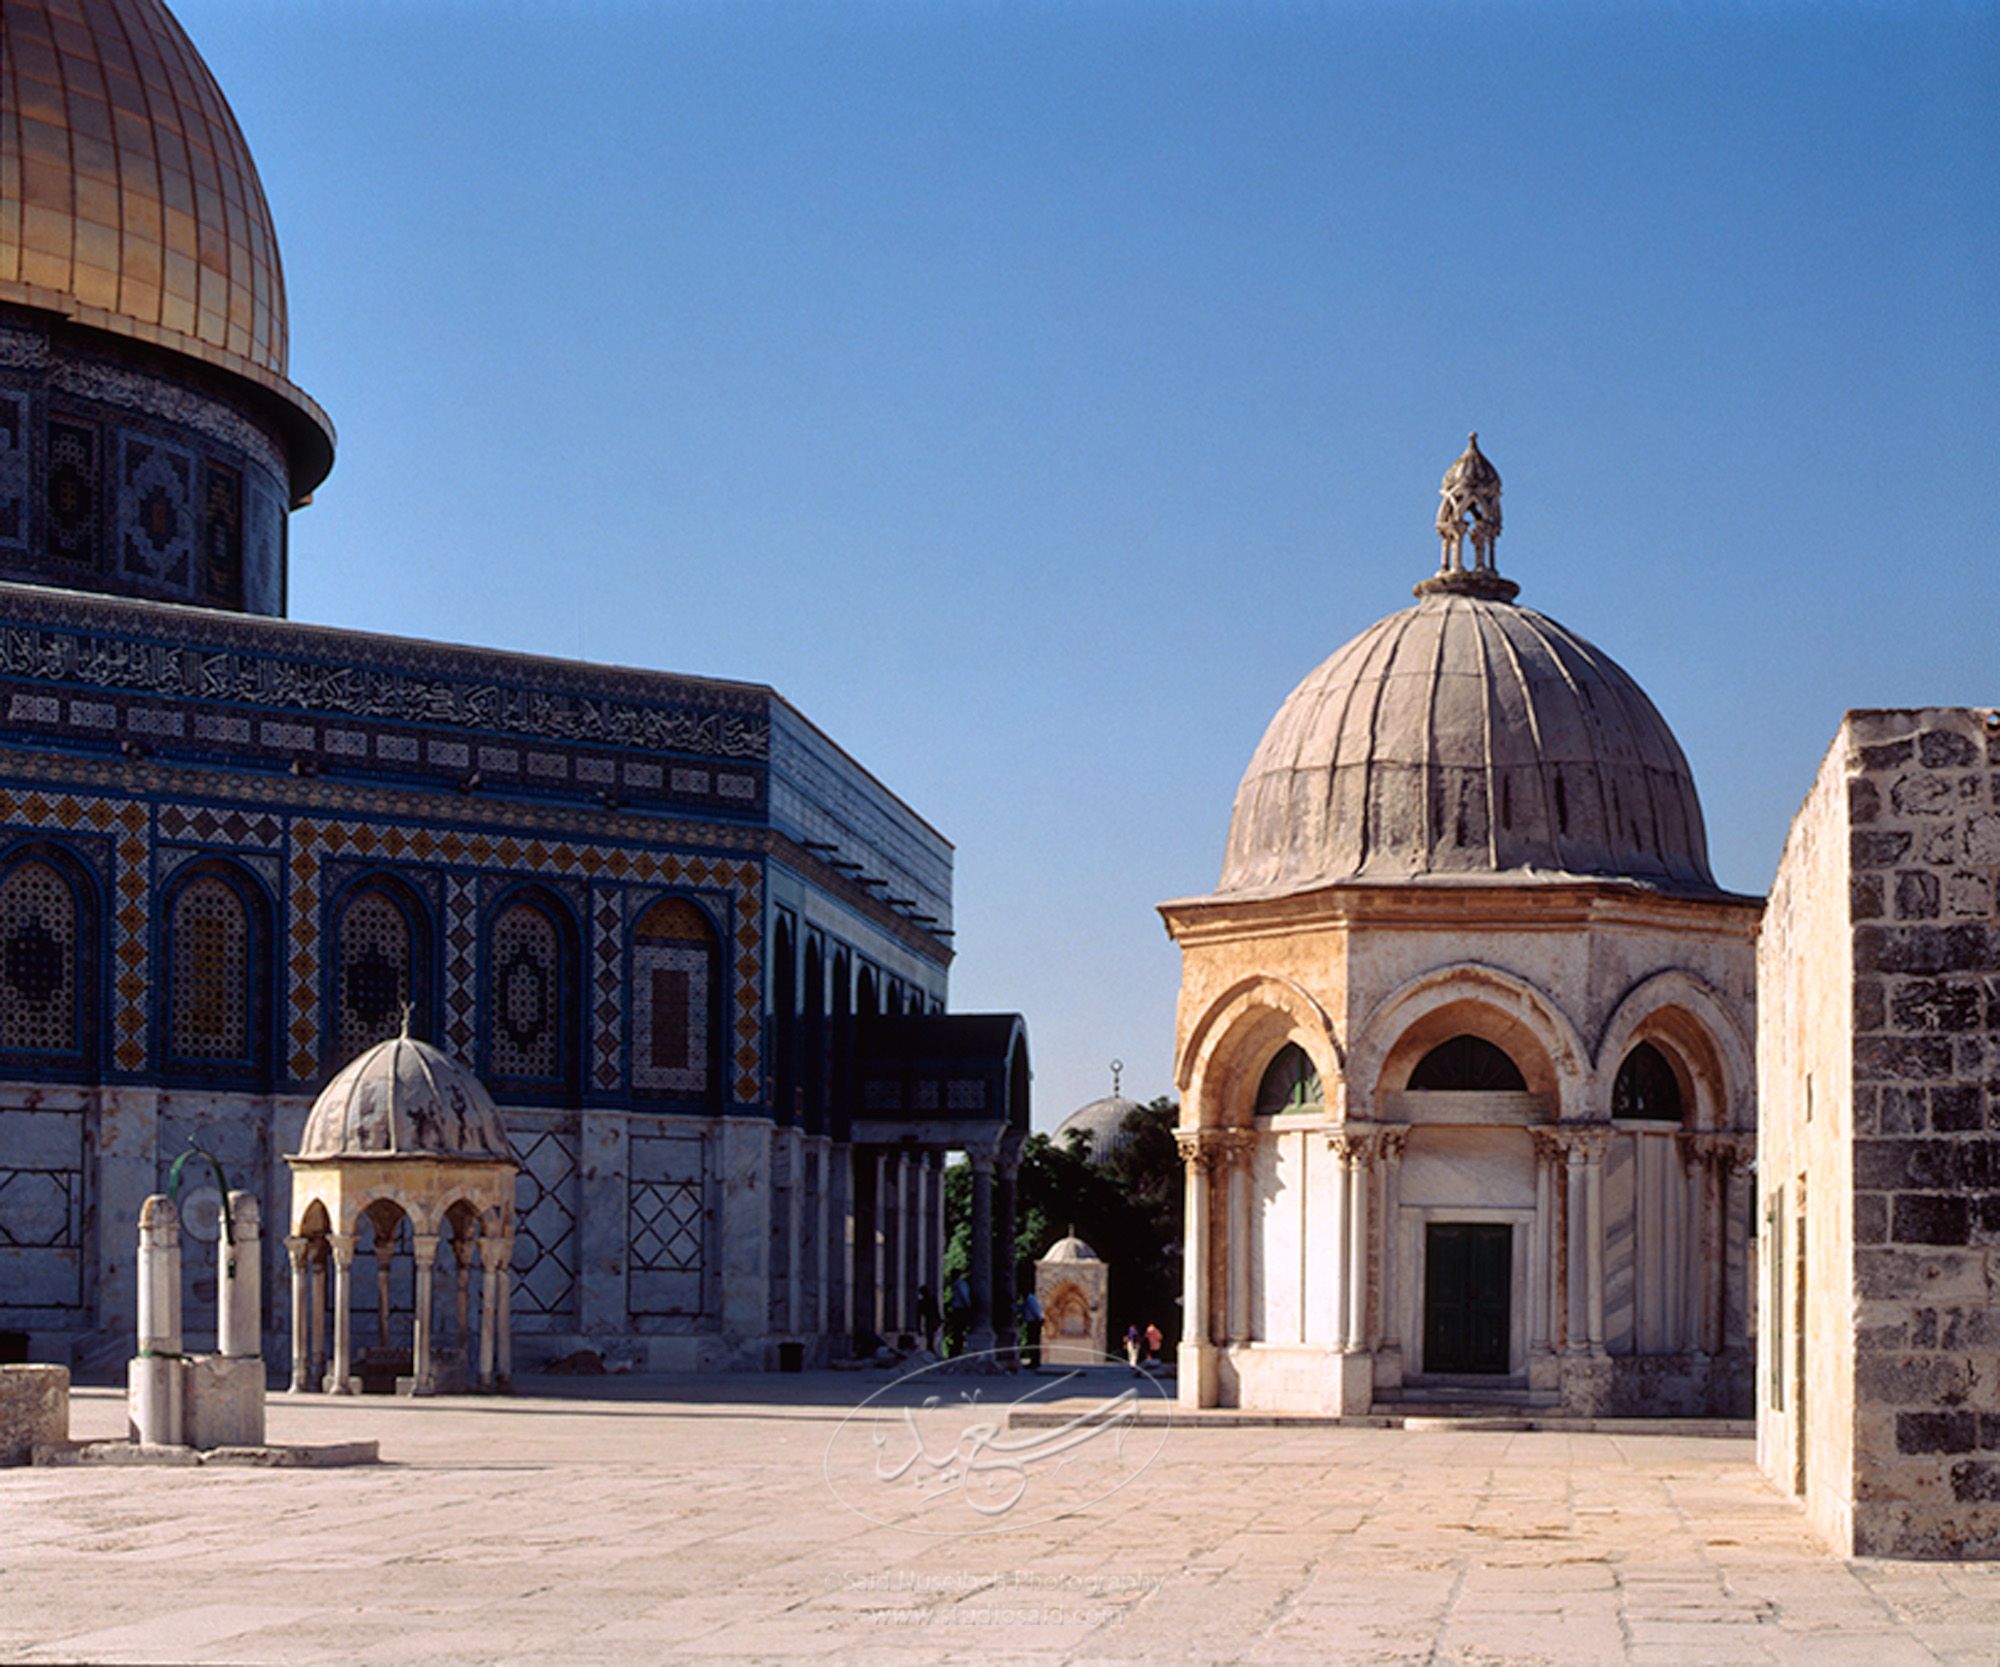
(1565, 1296)
(899, 1237)
(992, 1278)
(321, 1260)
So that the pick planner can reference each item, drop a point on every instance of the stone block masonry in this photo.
(1879, 1145)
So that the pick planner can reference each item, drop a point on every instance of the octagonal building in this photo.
(698, 954)
(1465, 1032)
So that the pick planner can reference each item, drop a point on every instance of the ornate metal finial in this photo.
(1469, 512)
(1117, 1070)
(409, 1009)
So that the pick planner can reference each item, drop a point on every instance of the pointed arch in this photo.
(531, 1008)
(676, 1000)
(1477, 999)
(1233, 1043)
(216, 950)
(381, 962)
(49, 963)
(1700, 1032)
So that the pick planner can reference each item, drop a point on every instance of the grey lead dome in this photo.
(1462, 738)
(404, 1098)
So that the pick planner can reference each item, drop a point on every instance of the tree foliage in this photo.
(1126, 1205)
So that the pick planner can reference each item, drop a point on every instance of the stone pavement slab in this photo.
(693, 1520)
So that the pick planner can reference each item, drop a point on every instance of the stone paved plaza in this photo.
(620, 1521)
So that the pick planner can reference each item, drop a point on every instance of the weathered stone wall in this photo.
(1902, 1266)
(1805, 1255)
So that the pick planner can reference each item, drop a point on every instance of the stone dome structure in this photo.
(133, 207)
(1462, 739)
(404, 1099)
(1103, 1120)
(1070, 1248)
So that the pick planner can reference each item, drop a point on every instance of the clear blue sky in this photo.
(1035, 393)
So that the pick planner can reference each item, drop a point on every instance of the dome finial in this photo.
(1469, 512)
(1117, 1071)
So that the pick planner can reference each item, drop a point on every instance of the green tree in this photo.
(1126, 1205)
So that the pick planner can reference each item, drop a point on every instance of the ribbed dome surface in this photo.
(404, 1098)
(129, 201)
(1103, 1120)
(1462, 738)
(1070, 1249)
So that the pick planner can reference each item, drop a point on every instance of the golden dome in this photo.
(129, 202)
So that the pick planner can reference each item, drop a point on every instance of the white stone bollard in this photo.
(239, 1283)
(154, 1379)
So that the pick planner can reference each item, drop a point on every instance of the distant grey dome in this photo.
(1103, 1120)
(1464, 738)
(1070, 1249)
(404, 1098)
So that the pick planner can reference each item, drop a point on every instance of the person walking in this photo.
(1154, 1338)
(1132, 1344)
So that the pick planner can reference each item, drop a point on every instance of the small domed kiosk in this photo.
(406, 1140)
(1464, 1052)
(1072, 1283)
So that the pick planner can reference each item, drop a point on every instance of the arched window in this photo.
(378, 970)
(812, 1037)
(1646, 1087)
(528, 1006)
(785, 1022)
(1468, 1065)
(1290, 1083)
(675, 1000)
(40, 1005)
(212, 966)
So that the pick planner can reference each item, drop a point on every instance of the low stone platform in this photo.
(1149, 1413)
(328, 1456)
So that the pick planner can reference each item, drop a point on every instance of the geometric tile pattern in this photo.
(607, 933)
(131, 919)
(314, 839)
(461, 937)
(37, 961)
(545, 1215)
(664, 1227)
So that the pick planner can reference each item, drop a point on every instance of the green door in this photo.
(1468, 1275)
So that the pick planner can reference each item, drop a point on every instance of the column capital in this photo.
(1584, 1142)
(1353, 1143)
(1236, 1147)
(1394, 1142)
(342, 1246)
(1199, 1148)
(424, 1247)
(1725, 1151)
(296, 1247)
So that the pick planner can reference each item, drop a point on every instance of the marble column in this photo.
(1392, 1144)
(1357, 1158)
(503, 1343)
(385, 1259)
(239, 1288)
(296, 1249)
(1593, 1195)
(889, 1210)
(1541, 1256)
(321, 1259)
(489, 1307)
(1694, 1240)
(424, 1247)
(1196, 1371)
(340, 1379)
(1575, 1281)
(1239, 1156)
(1005, 1173)
(979, 1336)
